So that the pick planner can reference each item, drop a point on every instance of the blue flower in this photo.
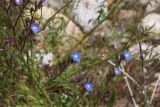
(75, 56)
(18, 2)
(116, 71)
(89, 86)
(127, 55)
(35, 27)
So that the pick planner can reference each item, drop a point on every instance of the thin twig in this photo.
(144, 91)
(126, 79)
(53, 16)
(126, 74)
(21, 12)
(130, 91)
(129, 88)
(9, 18)
(155, 87)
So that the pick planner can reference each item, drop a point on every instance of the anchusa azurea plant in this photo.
(38, 73)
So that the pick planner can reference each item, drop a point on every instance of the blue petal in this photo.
(75, 56)
(127, 55)
(116, 71)
(18, 2)
(89, 86)
(35, 27)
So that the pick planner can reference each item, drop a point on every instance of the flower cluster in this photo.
(127, 56)
(75, 56)
(34, 26)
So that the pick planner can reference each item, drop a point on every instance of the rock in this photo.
(149, 51)
(47, 59)
(150, 20)
(152, 5)
(87, 12)
(56, 4)
(70, 31)
(43, 58)
(156, 51)
(127, 14)
(71, 28)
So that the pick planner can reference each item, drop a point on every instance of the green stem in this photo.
(27, 64)
(9, 19)
(2, 29)
(111, 56)
(53, 16)
(111, 12)
(21, 12)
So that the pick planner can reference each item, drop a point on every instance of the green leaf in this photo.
(112, 99)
